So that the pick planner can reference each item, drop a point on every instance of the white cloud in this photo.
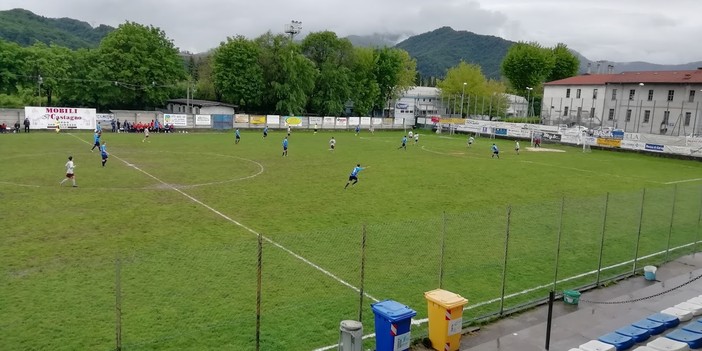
(624, 30)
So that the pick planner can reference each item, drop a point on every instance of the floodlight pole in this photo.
(39, 81)
(463, 93)
(526, 113)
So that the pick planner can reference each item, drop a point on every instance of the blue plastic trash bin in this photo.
(392, 325)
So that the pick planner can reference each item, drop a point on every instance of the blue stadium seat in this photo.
(636, 333)
(693, 340)
(668, 320)
(695, 327)
(654, 327)
(621, 342)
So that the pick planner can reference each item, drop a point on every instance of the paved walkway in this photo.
(575, 325)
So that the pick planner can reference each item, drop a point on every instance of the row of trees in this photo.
(138, 67)
(320, 75)
(135, 66)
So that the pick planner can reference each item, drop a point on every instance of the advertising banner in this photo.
(552, 136)
(257, 119)
(241, 118)
(677, 150)
(273, 119)
(341, 121)
(315, 120)
(293, 121)
(654, 147)
(104, 117)
(67, 118)
(365, 121)
(633, 145)
(176, 120)
(500, 131)
(354, 121)
(203, 120)
(452, 121)
(609, 142)
(328, 121)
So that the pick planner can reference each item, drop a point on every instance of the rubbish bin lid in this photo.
(393, 310)
(350, 325)
(445, 299)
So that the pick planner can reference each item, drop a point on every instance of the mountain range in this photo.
(25, 28)
(435, 51)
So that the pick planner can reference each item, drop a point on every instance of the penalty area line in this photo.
(270, 241)
(683, 181)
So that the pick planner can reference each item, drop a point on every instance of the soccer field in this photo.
(173, 223)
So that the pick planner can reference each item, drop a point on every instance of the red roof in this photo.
(660, 77)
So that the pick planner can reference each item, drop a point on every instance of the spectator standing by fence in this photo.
(26, 125)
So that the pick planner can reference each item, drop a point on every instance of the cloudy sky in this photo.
(616, 30)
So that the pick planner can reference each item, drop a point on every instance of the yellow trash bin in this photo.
(445, 319)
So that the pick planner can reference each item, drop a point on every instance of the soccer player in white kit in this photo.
(332, 144)
(70, 167)
(516, 146)
(146, 135)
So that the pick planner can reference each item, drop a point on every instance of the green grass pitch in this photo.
(181, 213)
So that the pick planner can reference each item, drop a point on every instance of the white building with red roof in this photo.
(652, 102)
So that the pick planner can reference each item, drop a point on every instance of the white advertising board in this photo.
(175, 120)
(66, 117)
(203, 120)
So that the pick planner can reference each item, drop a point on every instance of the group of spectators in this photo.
(16, 128)
(139, 127)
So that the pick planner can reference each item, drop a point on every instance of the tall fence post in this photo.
(602, 240)
(558, 245)
(118, 303)
(259, 271)
(672, 218)
(638, 235)
(363, 273)
(699, 220)
(443, 249)
(504, 266)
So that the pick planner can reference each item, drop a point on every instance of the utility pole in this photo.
(463, 93)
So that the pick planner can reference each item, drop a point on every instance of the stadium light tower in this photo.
(529, 89)
(463, 93)
(293, 28)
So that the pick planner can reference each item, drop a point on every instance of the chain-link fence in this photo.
(288, 291)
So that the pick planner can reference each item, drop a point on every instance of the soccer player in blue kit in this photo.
(354, 175)
(103, 153)
(285, 146)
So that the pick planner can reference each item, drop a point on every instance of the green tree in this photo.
(204, 86)
(84, 84)
(565, 65)
(467, 81)
(326, 47)
(237, 73)
(143, 65)
(395, 73)
(365, 90)
(11, 67)
(52, 64)
(295, 82)
(332, 58)
(527, 65)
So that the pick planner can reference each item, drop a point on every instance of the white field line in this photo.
(310, 263)
(683, 181)
(589, 171)
(425, 320)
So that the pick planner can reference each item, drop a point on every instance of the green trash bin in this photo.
(571, 297)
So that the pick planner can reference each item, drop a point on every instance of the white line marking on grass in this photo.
(270, 241)
(589, 171)
(683, 181)
(526, 291)
(440, 153)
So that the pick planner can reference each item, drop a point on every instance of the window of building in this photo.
(592, 112)
(577, 94)
(666, 117)
(594, 94)
(611, 115)
(567, 93)
(671, 95)
(650, 95)
(688, 117)
(614, 94)
(628, 115)
(692, 96)
(632, 94)
(565, 111)
(647, 116)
